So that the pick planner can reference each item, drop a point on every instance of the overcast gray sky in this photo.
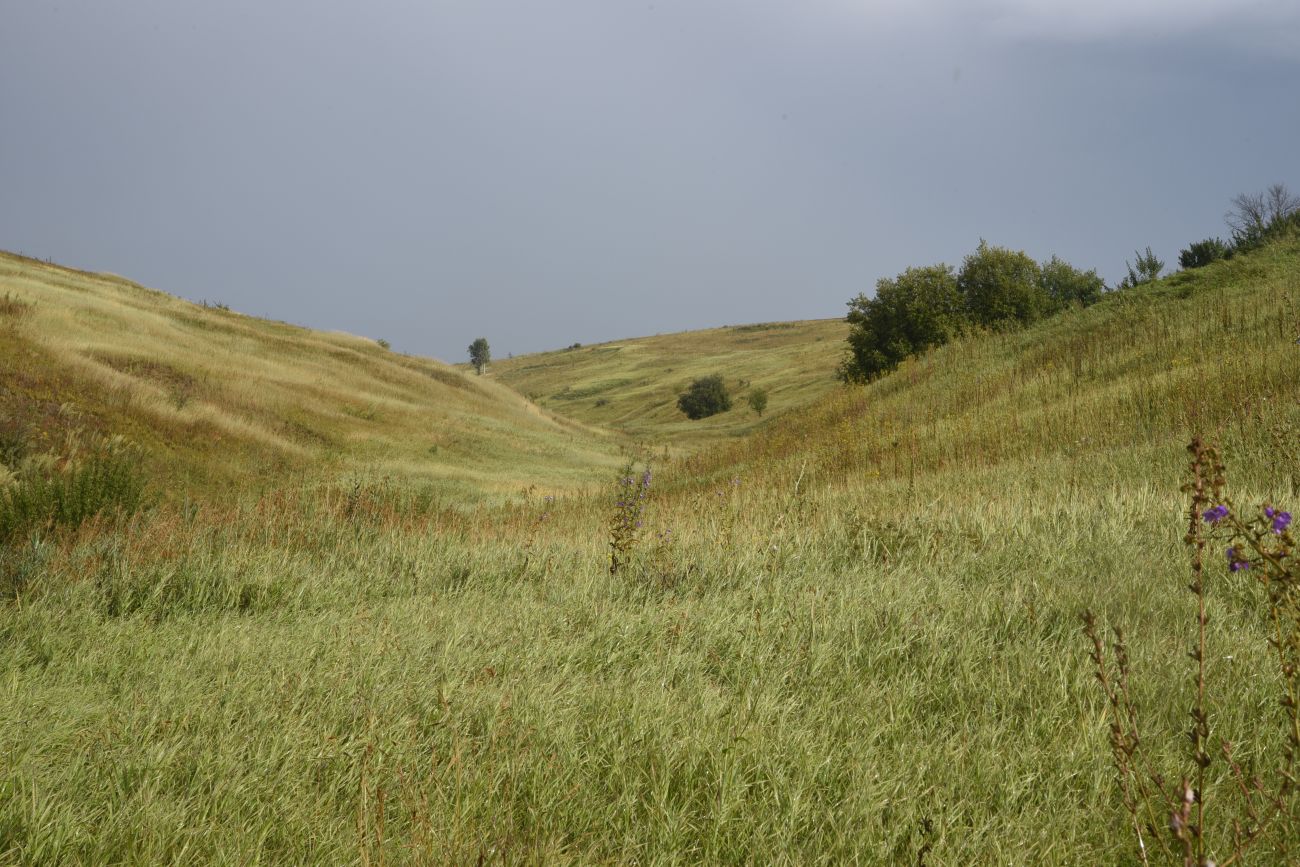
(541, 173)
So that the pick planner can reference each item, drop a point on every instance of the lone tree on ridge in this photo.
(479, 354)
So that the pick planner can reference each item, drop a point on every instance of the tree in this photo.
(1002, 286)
(1065, 285)
(1255, 216)
(1202, 253)
(707, 396)
(758, 400)
(1147, 268)
(479, 354)
(919, 309)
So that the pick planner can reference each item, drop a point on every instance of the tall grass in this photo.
(852, 638)
(64, 491)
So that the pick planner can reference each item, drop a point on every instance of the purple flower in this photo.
(1215, 515)
(1281, 520)
(1235, 562)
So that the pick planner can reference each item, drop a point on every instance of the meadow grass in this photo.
(851, 637)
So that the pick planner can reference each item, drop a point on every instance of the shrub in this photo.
(1256, 217)
(1147, 268)
(758, 400)
(918, 309)
(1065, 285)
(1202, 253)
(707, 396)
(383, 344)
(48, 492)
(626, 520)
(1002, 286)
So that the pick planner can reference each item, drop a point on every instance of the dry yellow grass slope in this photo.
(214, 395)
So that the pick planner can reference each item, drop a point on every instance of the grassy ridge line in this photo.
(632, 385)
(216, 396)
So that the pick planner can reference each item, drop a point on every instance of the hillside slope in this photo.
(632, 385)
(1212, 351)
(214, 396)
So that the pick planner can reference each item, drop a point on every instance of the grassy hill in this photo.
(632, 385)
(216, 398)
(851, 636)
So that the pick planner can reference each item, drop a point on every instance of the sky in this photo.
(544, 173)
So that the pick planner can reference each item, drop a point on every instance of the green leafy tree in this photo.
(919, 309)
(707, 396)
(1202, 253)
(479, 354)
(1002, 286)
(758, 400)
(1066, 285)
(1147, 268)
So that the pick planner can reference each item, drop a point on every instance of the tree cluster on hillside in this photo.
(997, 288)
(928, 306)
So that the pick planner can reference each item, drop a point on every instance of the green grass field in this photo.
(851, 635)
(631, 386)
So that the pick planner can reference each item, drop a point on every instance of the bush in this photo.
(758, 400)
(918, 309)
(1065, 285)
(707, 396)
(49, 492)
(1147, 268)
(1202, 253)
(1002, 286)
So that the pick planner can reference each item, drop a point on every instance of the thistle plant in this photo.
(1262, 545)
(628, 516)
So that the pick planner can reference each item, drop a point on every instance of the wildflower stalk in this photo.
(1265, 546)
(1204, 458)
(625, 523)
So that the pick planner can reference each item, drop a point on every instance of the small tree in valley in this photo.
(707, 396)
(758, 400)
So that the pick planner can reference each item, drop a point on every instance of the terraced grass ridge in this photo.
(851, 636)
